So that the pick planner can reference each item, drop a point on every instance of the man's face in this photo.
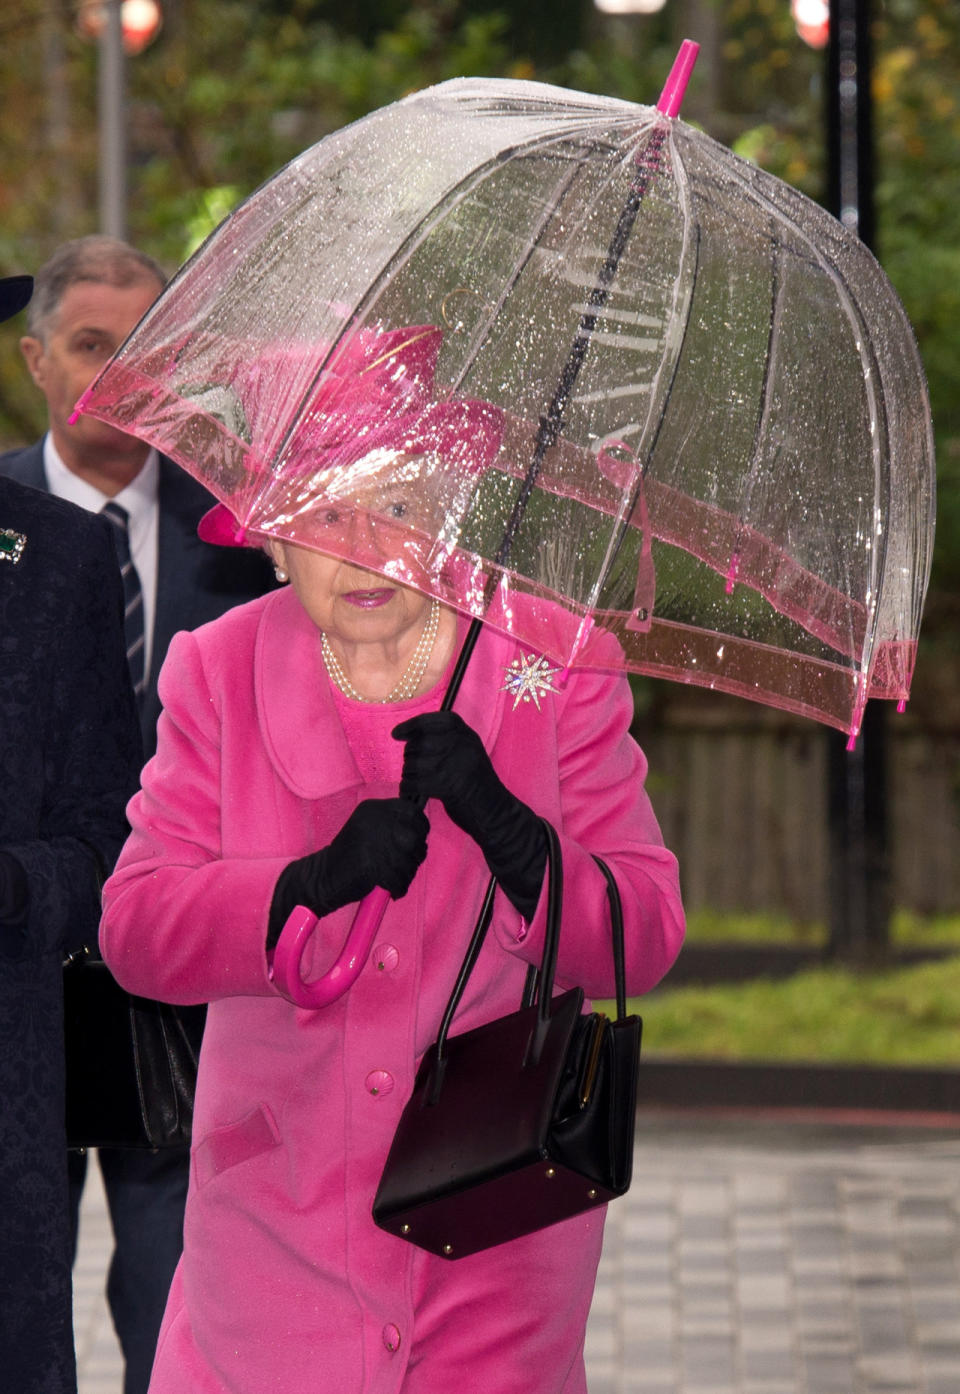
(90, 324)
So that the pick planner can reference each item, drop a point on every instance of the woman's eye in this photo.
(331, 516)
(398, 509)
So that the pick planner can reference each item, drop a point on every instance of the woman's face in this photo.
(347, 602)
(385, 525)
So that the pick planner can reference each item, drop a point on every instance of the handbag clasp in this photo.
(598, 1030)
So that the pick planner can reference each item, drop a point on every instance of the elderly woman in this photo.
(299, 744)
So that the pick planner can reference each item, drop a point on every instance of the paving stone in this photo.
(749, 1257)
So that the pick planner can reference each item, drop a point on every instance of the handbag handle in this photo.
(539, 984)
(547, 963)
(616, 925)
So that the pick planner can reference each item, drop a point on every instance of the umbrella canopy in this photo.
(568, 364)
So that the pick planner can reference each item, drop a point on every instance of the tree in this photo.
(212, 116)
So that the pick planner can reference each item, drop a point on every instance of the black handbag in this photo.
(522, 1122)
(131, 1063)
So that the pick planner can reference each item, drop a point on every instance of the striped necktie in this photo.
(132, 597)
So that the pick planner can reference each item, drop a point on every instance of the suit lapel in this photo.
(179, 552)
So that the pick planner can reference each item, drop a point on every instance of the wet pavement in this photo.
(752, 1255)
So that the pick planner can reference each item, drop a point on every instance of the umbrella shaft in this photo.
(552, 423)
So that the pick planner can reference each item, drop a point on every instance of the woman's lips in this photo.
(369, 599)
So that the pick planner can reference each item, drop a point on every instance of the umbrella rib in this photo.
(876, 403)
(563, 188)
(614, 549)
(762, 412)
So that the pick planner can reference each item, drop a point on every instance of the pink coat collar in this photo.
(296, 712)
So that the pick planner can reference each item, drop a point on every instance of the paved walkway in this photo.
(750, 1256)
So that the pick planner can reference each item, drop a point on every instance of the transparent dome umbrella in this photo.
(574, 368)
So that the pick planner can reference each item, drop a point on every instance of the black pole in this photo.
(859, 873)
(850, 117)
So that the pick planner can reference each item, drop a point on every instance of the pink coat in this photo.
(285, 1283)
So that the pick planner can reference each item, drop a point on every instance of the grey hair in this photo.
(97, 259)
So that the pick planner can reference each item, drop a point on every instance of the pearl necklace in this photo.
(412, 675)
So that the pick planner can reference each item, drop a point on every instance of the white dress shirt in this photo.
(139, 498)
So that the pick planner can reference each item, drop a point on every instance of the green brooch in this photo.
(11, 545)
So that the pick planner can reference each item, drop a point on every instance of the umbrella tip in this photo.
(671, 98)
(75, 415)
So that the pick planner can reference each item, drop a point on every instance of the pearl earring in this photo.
(280, 574)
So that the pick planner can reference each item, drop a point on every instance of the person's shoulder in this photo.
(25, 463)
(214, 649)
(22, 506)
(550, 630)
(602, 652)
(235, 626)
(64, 582)
(9, 459)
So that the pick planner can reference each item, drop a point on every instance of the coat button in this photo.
(391, 1337)
(378, 1083)
(385, 958)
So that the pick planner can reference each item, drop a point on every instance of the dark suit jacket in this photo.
(69, 760)
(196, 582)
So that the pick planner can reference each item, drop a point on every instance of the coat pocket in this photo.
(236, 1142)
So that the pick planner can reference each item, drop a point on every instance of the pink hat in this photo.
(375, 395)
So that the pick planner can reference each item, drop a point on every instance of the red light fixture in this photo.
(812, 18)
(140, 22)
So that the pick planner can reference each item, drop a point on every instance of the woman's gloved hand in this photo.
(382, 843)
(445, 759)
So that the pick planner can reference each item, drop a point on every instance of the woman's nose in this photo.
(366, 536)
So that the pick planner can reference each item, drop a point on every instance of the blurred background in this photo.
(826, 878)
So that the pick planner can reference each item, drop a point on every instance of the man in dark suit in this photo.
(69, 760)
(86, 300)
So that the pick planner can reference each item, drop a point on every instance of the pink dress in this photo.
(286, 1285)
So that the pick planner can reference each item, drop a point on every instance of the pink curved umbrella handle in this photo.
(284, 967)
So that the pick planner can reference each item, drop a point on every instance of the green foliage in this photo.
(916, 85)
(233, 89)
(245, 111)
(906, 1017)
(916, 113)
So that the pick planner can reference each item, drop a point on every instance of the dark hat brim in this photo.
(15, 293)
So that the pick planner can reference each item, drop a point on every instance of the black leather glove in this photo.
(445, 759)
(14, 891)
(381, 844)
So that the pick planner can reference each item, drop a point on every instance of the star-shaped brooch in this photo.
(11, 545)
(529, 679)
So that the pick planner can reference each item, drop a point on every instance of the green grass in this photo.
(907, 929)
(934, 931)
(729, 926)
(907, 1016)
